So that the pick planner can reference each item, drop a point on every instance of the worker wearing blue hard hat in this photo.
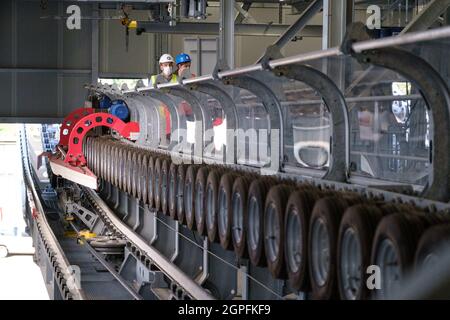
(183, 61)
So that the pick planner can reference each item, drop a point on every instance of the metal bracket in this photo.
(88, 217)
(219, 67)
(69, 123)
(75, 154)
(272, 52)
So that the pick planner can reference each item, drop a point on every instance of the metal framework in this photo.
(170, 258)
(333, 98)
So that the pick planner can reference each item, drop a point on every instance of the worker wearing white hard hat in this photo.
(166, 64)
(167, 75)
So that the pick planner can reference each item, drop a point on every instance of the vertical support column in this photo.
(226, 32)
(95, 44)
(300, 24)
(199, 56)
(14, 58)
(337, 15)
(60, 58)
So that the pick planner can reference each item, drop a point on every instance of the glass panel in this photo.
(435, 53)
(253, 133)
(389, 122)
(306, 121)
(216, 120)
(307, 127)
(186, 115)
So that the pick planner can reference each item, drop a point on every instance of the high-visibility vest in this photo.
(154, 79)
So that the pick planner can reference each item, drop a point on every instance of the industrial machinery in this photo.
(307, 189)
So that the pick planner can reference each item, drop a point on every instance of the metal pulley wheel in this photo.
(151, 180)
(355, 239)
(165, 173)
(143, 179)
(200, 199)
(189, 196)
(394, 246)
(254, 225)
(134, 181)
(239, 214)
(173, 188)
(225, 209)
(212, 203)
(180, 184)
(432, 247)
(274, 234)
(157, 182)
(323, 236)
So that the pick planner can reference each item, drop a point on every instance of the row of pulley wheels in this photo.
(324, 241)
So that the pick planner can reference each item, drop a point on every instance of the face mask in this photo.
(167, 71)
(185, 70)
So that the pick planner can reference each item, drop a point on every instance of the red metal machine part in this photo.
(71, 164)
(69, 123)
(75, 154)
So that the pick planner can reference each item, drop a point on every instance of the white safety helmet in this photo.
(166, 58)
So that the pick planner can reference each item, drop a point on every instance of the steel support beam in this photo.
(205, 28)
(292, 31)
(336, 17)
(226, 33)
(300, 24)
(243, 13)
(427, 16)
(95, 44)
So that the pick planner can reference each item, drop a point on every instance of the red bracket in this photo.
(70, 122)
(75, 154)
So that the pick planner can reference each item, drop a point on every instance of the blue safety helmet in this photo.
(182, 58)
